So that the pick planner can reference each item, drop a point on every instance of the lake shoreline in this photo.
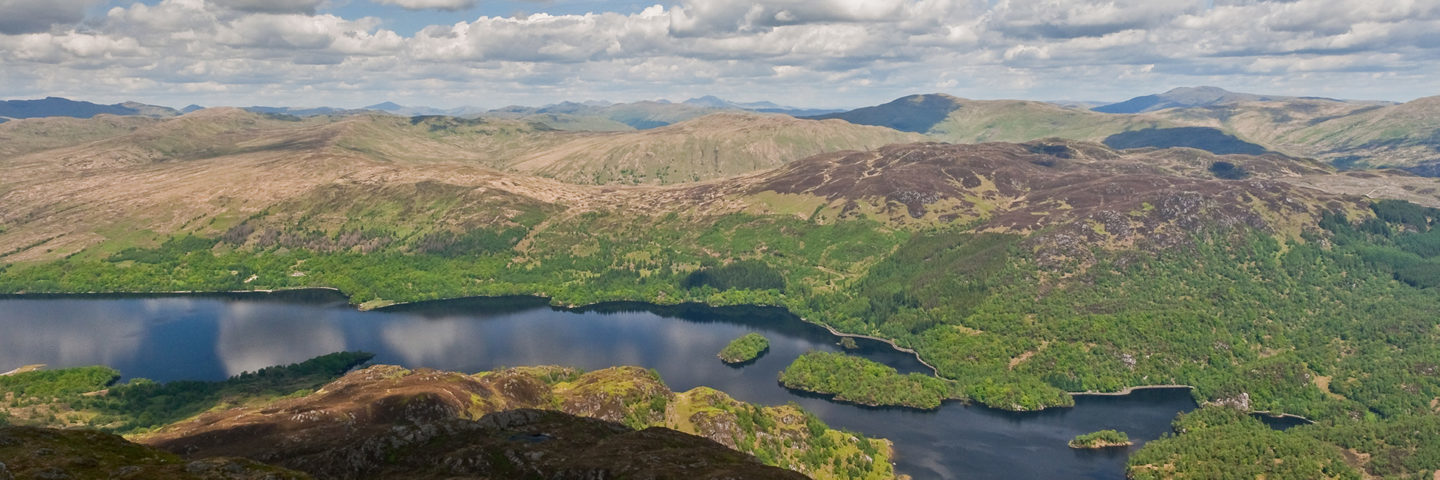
(576, 308)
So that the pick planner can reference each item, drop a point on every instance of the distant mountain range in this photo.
(581, 116)
(1346, 133)
(1193, 97)
(62, 107)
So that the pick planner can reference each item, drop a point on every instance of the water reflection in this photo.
(34, 333)
(257, 335)
(211, 337)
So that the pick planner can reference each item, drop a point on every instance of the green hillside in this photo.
(1021, 271)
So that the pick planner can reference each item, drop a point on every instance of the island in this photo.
(1101, 439)
(745, 349)
(858, 380)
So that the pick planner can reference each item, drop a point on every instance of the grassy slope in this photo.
(1399, 135)
(952, 119)
(19, 137)
(1019, 121)
(714, 146)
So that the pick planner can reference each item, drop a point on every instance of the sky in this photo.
(806, 53)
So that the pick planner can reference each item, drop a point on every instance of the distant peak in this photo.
(708, 100)
(385, 106)
(1199, 89)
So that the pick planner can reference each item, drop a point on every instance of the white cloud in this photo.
(821, 52)
(271, 6)
(35, 16)
(445, 5)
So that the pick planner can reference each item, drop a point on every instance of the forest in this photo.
(858, 380)
(744, 349)
(1100, 439)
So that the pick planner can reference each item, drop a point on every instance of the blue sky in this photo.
(814, 53)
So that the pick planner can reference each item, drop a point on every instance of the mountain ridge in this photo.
(63, 107)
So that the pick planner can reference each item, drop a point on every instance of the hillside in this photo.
(63, 107)
(637, 115)
(1348, 134)
(32, 135)
(1404, 135)
(704, 148)
(954, 119)
(1021, 271)
(32, 452)
(1193, 97)
(713, 146)
(389, 422)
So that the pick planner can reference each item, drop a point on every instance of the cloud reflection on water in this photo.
(89, 334)
(253, 336)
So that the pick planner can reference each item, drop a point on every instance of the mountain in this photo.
(1186, 97)
(35, 134)
(61, 107)
(1349, 134)
(302, 112)
(713, 146)
(954, 119)
(700, 149)
(712, 101)
(1404, 135)
(637, 115)
(397, 109)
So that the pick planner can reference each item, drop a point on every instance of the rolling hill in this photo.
(1345, 133)
(62, 107)
(952, 119)
(1197, 97)
(1404, 135)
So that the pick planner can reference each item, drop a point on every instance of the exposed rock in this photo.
(1240, 402)
(84, 454)
(389, 422)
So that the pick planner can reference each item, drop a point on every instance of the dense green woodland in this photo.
(745, 349)
(1100, 439)
(1224, 443)
(858, 380)
(1340, 327)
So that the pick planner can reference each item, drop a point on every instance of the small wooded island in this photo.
(1101, 439)
(745, 349)
(862, 381)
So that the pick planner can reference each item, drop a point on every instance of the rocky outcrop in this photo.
(32, 452)
(534, 422)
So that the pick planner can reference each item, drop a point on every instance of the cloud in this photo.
(271, 6)
(35, 16)
(1060, 19)
(444, 5)
(819, 52)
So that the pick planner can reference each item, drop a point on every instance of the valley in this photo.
(1021, 271)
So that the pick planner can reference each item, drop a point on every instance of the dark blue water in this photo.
(210, 337)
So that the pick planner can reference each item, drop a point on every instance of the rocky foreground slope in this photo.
(389, 422)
